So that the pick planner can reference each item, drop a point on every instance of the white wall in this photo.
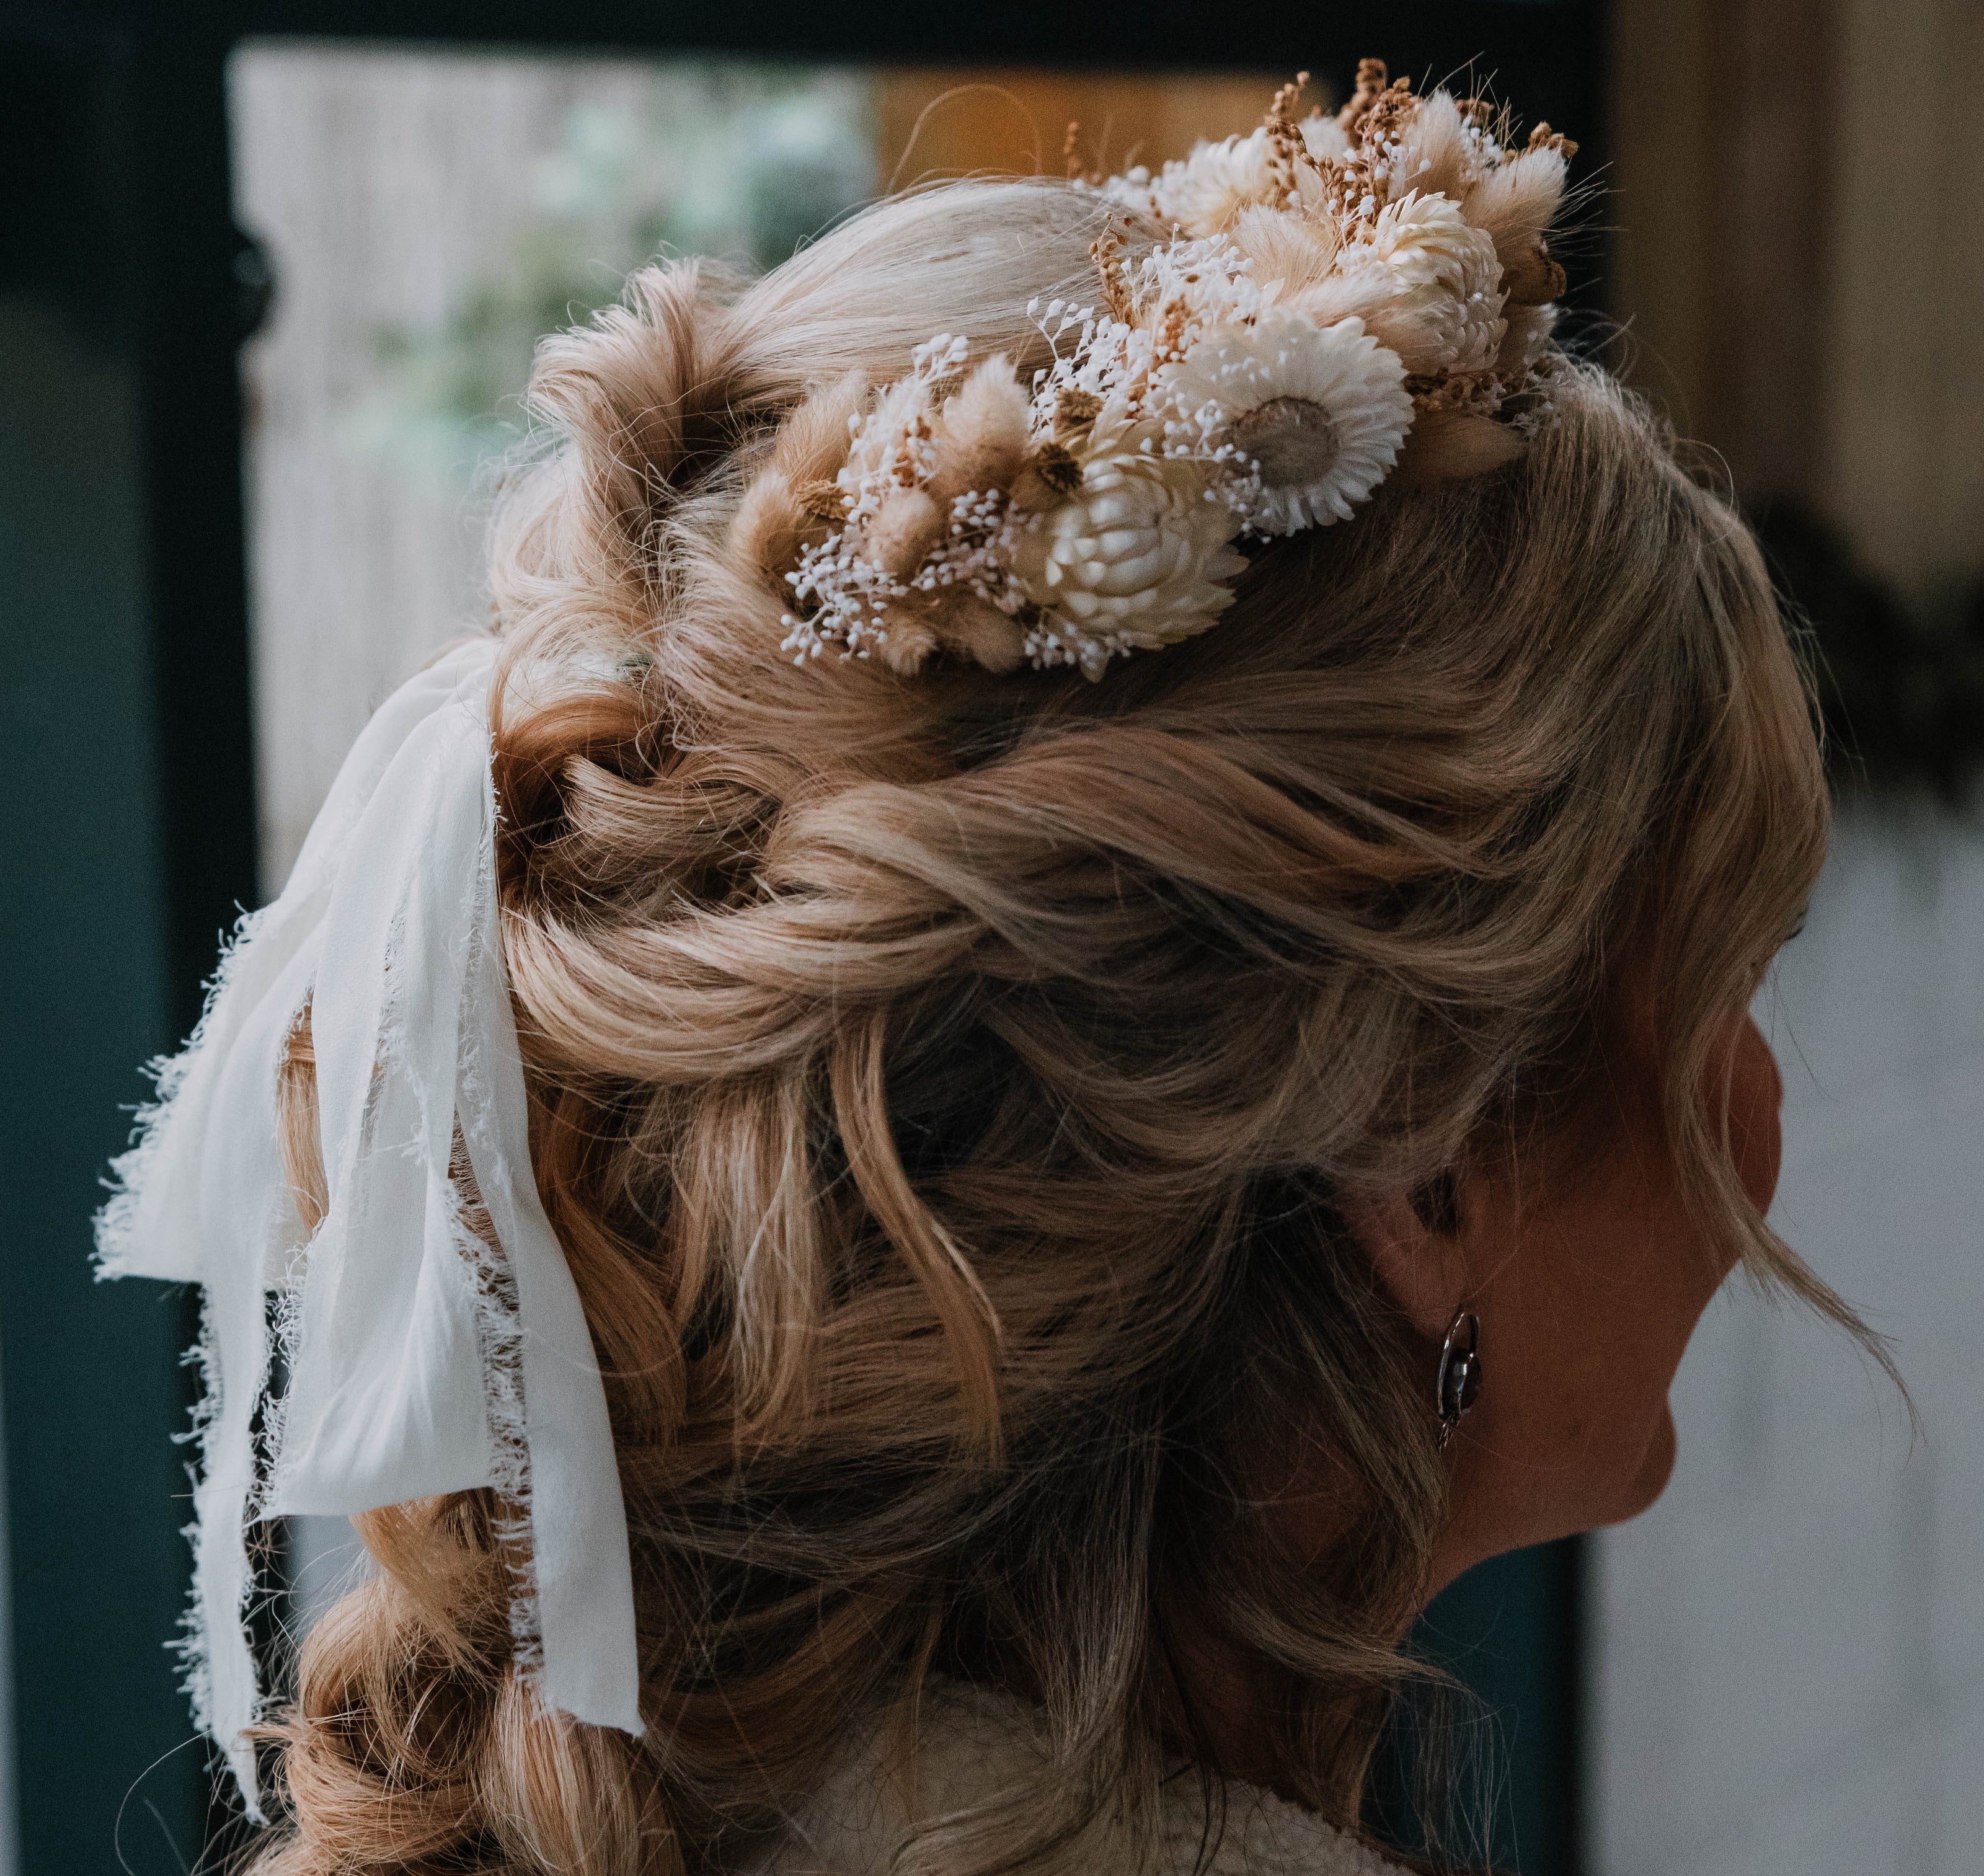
(1789, 1650)
(361, 570)
(430, 213)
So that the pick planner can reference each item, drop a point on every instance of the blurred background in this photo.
(269, 280)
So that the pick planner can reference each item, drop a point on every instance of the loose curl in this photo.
(948, 1090)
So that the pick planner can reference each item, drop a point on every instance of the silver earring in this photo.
(1459, 1386)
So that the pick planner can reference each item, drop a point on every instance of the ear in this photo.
(1423, 1267)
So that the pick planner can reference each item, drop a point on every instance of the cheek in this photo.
(1672, 1287)
(1583, 1327)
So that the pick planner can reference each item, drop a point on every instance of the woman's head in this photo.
(1015, 1137)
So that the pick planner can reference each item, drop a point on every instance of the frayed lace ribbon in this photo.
(404, 1347)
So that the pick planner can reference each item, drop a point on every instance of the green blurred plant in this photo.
(742, 161)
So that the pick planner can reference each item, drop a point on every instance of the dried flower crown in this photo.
(1339, 298)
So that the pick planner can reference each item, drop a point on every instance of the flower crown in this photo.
(1339, 298)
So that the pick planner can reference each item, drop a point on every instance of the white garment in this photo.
(973, 1744)
(419, 1361)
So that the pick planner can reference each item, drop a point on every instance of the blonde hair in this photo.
(948, 1089)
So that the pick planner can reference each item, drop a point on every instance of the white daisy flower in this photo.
(1318, 411)
(1135, 558)
(1202, 193)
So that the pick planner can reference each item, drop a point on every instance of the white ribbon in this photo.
(409, 1338)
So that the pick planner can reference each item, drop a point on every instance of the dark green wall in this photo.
(126, 836)
(94, 1488)
(1510, 1629)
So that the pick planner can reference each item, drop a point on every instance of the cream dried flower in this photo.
(1427, 281)
(1134, 559)
(1425, 238)
(1203, 193)
(1319, 412)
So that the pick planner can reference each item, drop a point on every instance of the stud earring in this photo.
(1459, 1386)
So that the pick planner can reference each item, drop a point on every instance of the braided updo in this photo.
(948, 1086)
